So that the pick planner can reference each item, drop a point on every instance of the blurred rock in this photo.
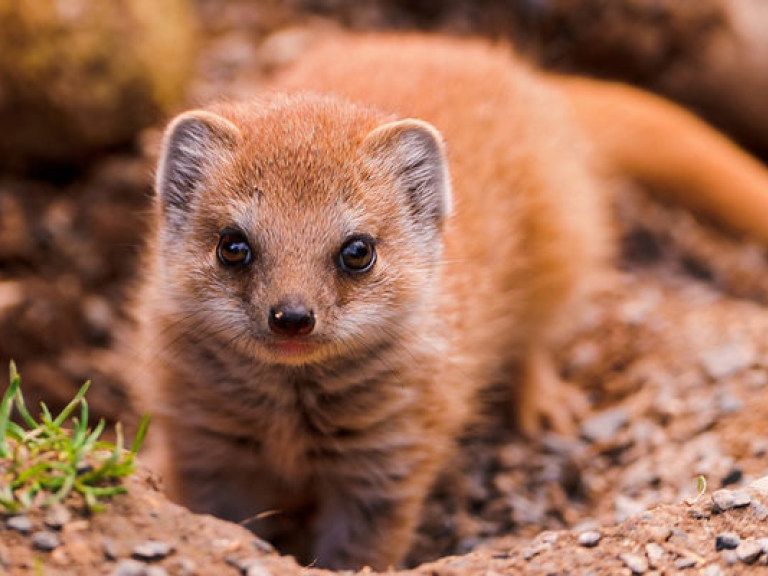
(14, 227)
(728, 359)
(77, 77)
(603, 427)
(11, 295)
(707, 54)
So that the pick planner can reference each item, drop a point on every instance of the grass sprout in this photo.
(701, 489)
(42, 462)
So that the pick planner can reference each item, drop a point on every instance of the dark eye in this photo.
(357, 254)
(233, 248)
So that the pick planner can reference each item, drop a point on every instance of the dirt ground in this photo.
(672, 353)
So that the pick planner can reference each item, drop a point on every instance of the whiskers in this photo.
(221, 340)
(182, 332)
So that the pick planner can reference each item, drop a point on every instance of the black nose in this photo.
(291, 319)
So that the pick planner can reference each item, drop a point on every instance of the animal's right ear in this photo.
(193, 142)
(412, 152)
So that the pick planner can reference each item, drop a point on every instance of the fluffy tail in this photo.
(671, 151)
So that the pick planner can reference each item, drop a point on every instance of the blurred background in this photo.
(86, 86)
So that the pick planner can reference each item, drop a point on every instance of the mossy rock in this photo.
(80, 76)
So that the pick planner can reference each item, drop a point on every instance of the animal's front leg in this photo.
(375, 530)
(545, 397)
(371, 499)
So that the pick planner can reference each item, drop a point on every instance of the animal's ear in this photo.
(193, 142)
(412, 151)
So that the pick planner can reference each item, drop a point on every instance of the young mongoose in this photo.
(333, 275)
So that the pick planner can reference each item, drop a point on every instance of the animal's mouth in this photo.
(293, 350)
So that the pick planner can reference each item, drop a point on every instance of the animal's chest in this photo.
(319, 429)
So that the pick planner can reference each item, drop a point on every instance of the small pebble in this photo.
(152, 550)
(530, 553)
(186, 567)
(685, 562)
(57, 516)
(749, 551)
(761, 485)
(45, 540)
(636, 564)
(19, 523)
(604, 426)
(11, 294)
(730, 404)
(756, 378)
(759, 510)
(727, 541)
(61, 557)
(729, 557)
(713, 570)
(98, 316)
(110, 548)
(256, 568)
(659, 533)
(239, 562)
(476, 491)
(590, 539)
(759, 448)
(728, 360)
(654, 552)
(263, 546)
(546, 537)
(583, 355)
(678, 537)
(723, 500)
(626, 507)
(635, 312)
(226, 545)
(248, 566)
(76, 526)
(130, 568)
(155, 571)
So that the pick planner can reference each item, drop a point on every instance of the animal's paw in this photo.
(546, 401)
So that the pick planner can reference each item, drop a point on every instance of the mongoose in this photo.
(339, 266)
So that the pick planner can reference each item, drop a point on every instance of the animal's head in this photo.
(298, 228)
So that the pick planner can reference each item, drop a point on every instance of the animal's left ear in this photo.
(412, 152)
(193, 144)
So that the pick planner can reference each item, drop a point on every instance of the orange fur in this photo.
(670, 150)
(342, 431)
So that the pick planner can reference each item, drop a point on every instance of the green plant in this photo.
(701, 489)
(43, 462)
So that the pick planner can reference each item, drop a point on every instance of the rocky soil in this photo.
(145, 535)
(672, 353)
